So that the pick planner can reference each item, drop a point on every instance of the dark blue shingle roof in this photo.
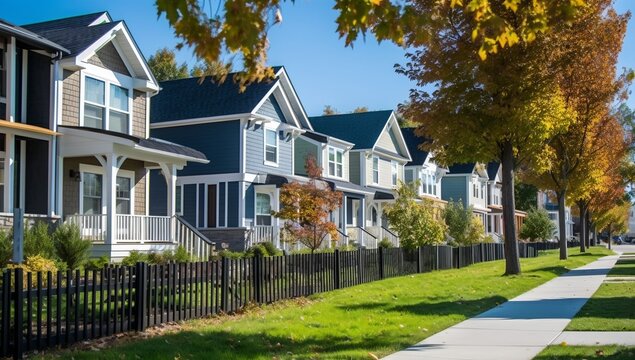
(65, 23)
(77, 39)
(467, 168)
(492, 169)
(362, 129)
(193, 98)
(412, 142)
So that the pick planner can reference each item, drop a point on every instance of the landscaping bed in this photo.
(376, 318)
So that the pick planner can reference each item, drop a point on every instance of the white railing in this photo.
(196, 244)
(382, 233)
(262, 233)
(361, 237)
(91, 227)
(142, 228)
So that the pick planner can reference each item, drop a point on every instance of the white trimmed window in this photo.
(394, 172)
(124, 195)
(271, 147)
(263, 209)
(106, 109)
(375, 170)
(336, 162)
(92, 193)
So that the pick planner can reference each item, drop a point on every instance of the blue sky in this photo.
(323, 71)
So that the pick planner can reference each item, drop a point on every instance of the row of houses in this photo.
(89, 136)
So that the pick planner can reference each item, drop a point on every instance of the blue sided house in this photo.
(249, 138)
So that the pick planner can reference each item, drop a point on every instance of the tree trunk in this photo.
(595, 236)
(562, 224)
(587, 221)
(512, 258)
(583, 226)
(610, 235)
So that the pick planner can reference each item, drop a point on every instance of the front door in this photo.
(211, 206)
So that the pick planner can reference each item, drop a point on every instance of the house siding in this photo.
(139, 120)
(189, 203)
(220, 142)
(453, 188)
(272, 109)
(221, 204)
(386, 142)
(38, 96)
(385, 172)
(255, 153)
(159, 195)
(201, 205)
(354, 171)
(108, 58)
(302, 150)
(70, 98)
(232, 205)
(250, 196)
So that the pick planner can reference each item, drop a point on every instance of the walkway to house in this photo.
(519, 328)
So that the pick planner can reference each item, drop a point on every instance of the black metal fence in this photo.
(43, 310)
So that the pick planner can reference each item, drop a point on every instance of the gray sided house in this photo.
(374, 168)
(97, 87)
(467, 183)
(249, 138)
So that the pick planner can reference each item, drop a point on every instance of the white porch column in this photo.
(9, 171)
(110, 197)
(169, 173)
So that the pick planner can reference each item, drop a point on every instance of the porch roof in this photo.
(27, 128)
(348, 187)
(157, 146)
(382, 195)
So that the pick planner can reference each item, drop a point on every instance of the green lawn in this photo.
(624, 267)
(558, 352)
(610, 309)
(378, 318)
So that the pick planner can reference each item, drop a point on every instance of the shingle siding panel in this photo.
(139, 121)
(70, 98)
(108, 58)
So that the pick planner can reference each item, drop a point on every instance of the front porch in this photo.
(104, 191)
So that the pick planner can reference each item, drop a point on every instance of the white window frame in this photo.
(264, 145)
(375, 170)
(108, 78)
(335, 163)
(394, 173)
(269, 190)
(83, 168)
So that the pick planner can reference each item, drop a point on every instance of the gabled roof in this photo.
(78, 39)
(361, 129)
(30, 38)
(413, 141)
(467, 168)
(69, 22)
(194, 98)
(492, 169)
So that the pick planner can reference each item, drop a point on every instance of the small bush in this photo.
(134, 257)
(6, 248)
(256, 250)
(270, 247)
(181, 255)
(159, 258)
(34, 264)
(385, 243)
(231, 254)
(95, 264)
(69, 245)
(38, 241)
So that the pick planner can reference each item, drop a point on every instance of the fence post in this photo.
(336, 270)
(359, 266)
(257, 265)
(380, 256)
(140, 296)
(419, 260)
(224, 285)
(437, 252)
(18, 314)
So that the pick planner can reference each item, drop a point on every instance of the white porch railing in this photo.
(382, 233)
(362, 237)
(262, 233)
(143, 229)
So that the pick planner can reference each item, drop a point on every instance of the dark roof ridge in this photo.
(67, 18)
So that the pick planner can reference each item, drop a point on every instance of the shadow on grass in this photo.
(587, 353)
(617, 307)
(466, 308)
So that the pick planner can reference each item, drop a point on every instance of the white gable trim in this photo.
(103, 18)
(392, 122)
(294, 99)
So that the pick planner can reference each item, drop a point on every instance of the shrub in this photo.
(257, 250)
(69, 245)
(475, 231)
(96, 263)
(537, 225)
(134, 257)
(34, 264)
(458, 219)
(6, 248)
(181, 255)
(385, 243)
(38, 241)
(159, 258)
(231, 254)
(270, 247)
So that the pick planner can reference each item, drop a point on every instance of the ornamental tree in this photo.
(306, 207)
(413, 219)
(537, 226)
(240, 27)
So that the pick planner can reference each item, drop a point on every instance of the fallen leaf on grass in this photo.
(373, 356)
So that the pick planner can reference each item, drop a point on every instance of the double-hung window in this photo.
(394, 172)
(106, 109)
(336, 162)
(92, 191)
(271, 146)
(375, 170)
(124, 195)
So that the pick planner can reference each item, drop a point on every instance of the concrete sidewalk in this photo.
(519, 328)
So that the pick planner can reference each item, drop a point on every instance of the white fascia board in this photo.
(204, 120)
(265, 97)
(286, 83)
(103, 18)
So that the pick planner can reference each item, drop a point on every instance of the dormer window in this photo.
(107, 110)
